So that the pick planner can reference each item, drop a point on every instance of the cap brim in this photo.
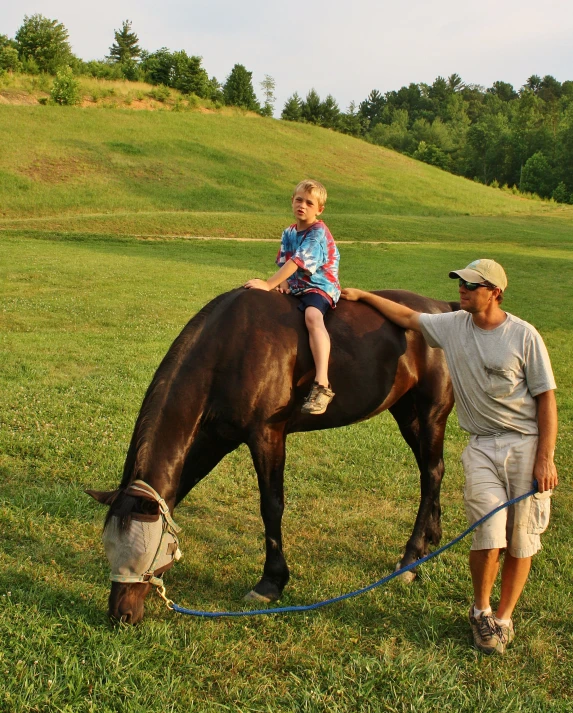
(468, 275)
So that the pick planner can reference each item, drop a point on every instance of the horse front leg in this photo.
(268, 453)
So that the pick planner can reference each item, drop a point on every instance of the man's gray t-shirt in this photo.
(495, 373)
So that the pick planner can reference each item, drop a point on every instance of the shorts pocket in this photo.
(539, 512)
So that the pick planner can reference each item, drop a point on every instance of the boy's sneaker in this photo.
(489, 636)
(318, 399)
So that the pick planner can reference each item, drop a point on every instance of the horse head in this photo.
(141, 543)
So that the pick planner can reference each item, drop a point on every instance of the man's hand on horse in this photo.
(257, 284)
(351, 294)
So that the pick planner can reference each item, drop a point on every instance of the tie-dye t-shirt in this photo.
(317, 257)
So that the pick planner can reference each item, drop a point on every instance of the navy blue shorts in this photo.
(314, 299)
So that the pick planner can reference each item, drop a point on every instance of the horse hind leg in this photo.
(268, 453)
(422, 422)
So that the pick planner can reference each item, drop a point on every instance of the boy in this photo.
(309, 260)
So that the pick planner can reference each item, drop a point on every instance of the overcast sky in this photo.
(341, 48)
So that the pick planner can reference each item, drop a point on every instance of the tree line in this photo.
(498, 135)
(42, 45)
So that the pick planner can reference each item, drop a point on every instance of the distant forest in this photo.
(520, 139)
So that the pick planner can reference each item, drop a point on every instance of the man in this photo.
(504, 392)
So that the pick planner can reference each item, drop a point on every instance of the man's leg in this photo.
(319, 343)
(484, 566)
(513, 578)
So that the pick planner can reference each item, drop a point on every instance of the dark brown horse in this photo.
(238, 373)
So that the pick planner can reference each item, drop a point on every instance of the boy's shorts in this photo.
(497, 469)
(313, 299)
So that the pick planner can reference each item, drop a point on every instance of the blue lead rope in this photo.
(357, 592)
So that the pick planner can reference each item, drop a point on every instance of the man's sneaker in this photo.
(318, 399)
(489, 636)
(506, 633)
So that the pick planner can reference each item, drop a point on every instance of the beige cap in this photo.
(483, 271)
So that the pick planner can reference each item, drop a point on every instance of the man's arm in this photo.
(544, 470)
(288, 269)
(399, 314)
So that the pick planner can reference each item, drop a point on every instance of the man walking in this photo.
(504, 391)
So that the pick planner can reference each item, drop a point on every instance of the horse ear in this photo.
(105, 497)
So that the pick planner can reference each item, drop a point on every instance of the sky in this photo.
(337, 47)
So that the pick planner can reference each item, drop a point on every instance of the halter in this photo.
(162, 528)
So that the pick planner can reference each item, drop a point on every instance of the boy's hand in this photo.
(257, 284)
(283, 288)
(351, 294)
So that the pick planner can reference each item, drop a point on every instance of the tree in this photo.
(455, 83)
(8, 55)
(188, 76)
(537, 176)
(329, 113)
(238, 89)
(44, 43)
(268, 87)
(292, 110)
(503, 90)
(65, 90)
(158, 66)
(312, 107)
(352, 123)
(562, 194)
(125, 47)
(371, 108)
(428, 153)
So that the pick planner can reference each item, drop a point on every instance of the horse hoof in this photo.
(408, 577)
(253, 596)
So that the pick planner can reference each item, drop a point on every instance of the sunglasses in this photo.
(471, 286)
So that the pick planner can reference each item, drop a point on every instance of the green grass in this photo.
(85, 320)
(62, 163)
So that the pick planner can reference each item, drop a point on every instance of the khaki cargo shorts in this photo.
(497, 469)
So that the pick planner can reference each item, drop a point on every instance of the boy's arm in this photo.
(288, 269)
(399, 314)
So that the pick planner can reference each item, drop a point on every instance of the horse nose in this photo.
(126, 617)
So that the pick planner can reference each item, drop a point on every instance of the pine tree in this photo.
(238, 89)
(125, 48)
(292, 110)
(312, 108)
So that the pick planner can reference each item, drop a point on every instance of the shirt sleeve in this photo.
(312, 252)
(281, 255)
(432, 326)
(537, 367)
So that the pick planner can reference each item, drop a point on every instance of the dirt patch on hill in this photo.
(18, 98)
(55, 170)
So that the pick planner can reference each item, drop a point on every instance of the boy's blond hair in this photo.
(314, 188)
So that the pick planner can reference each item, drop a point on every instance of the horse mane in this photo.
(158, 390)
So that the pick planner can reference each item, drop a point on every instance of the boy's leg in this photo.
(319, 343)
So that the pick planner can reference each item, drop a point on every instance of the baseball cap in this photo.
(483, 271)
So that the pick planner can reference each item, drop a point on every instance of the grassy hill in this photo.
(215, 174)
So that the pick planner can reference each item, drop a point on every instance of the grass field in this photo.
(93, 293)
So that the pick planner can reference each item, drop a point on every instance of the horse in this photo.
(238, 373)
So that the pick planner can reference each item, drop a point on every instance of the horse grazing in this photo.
(238, 373)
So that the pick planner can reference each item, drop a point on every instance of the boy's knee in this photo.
(313, 317)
